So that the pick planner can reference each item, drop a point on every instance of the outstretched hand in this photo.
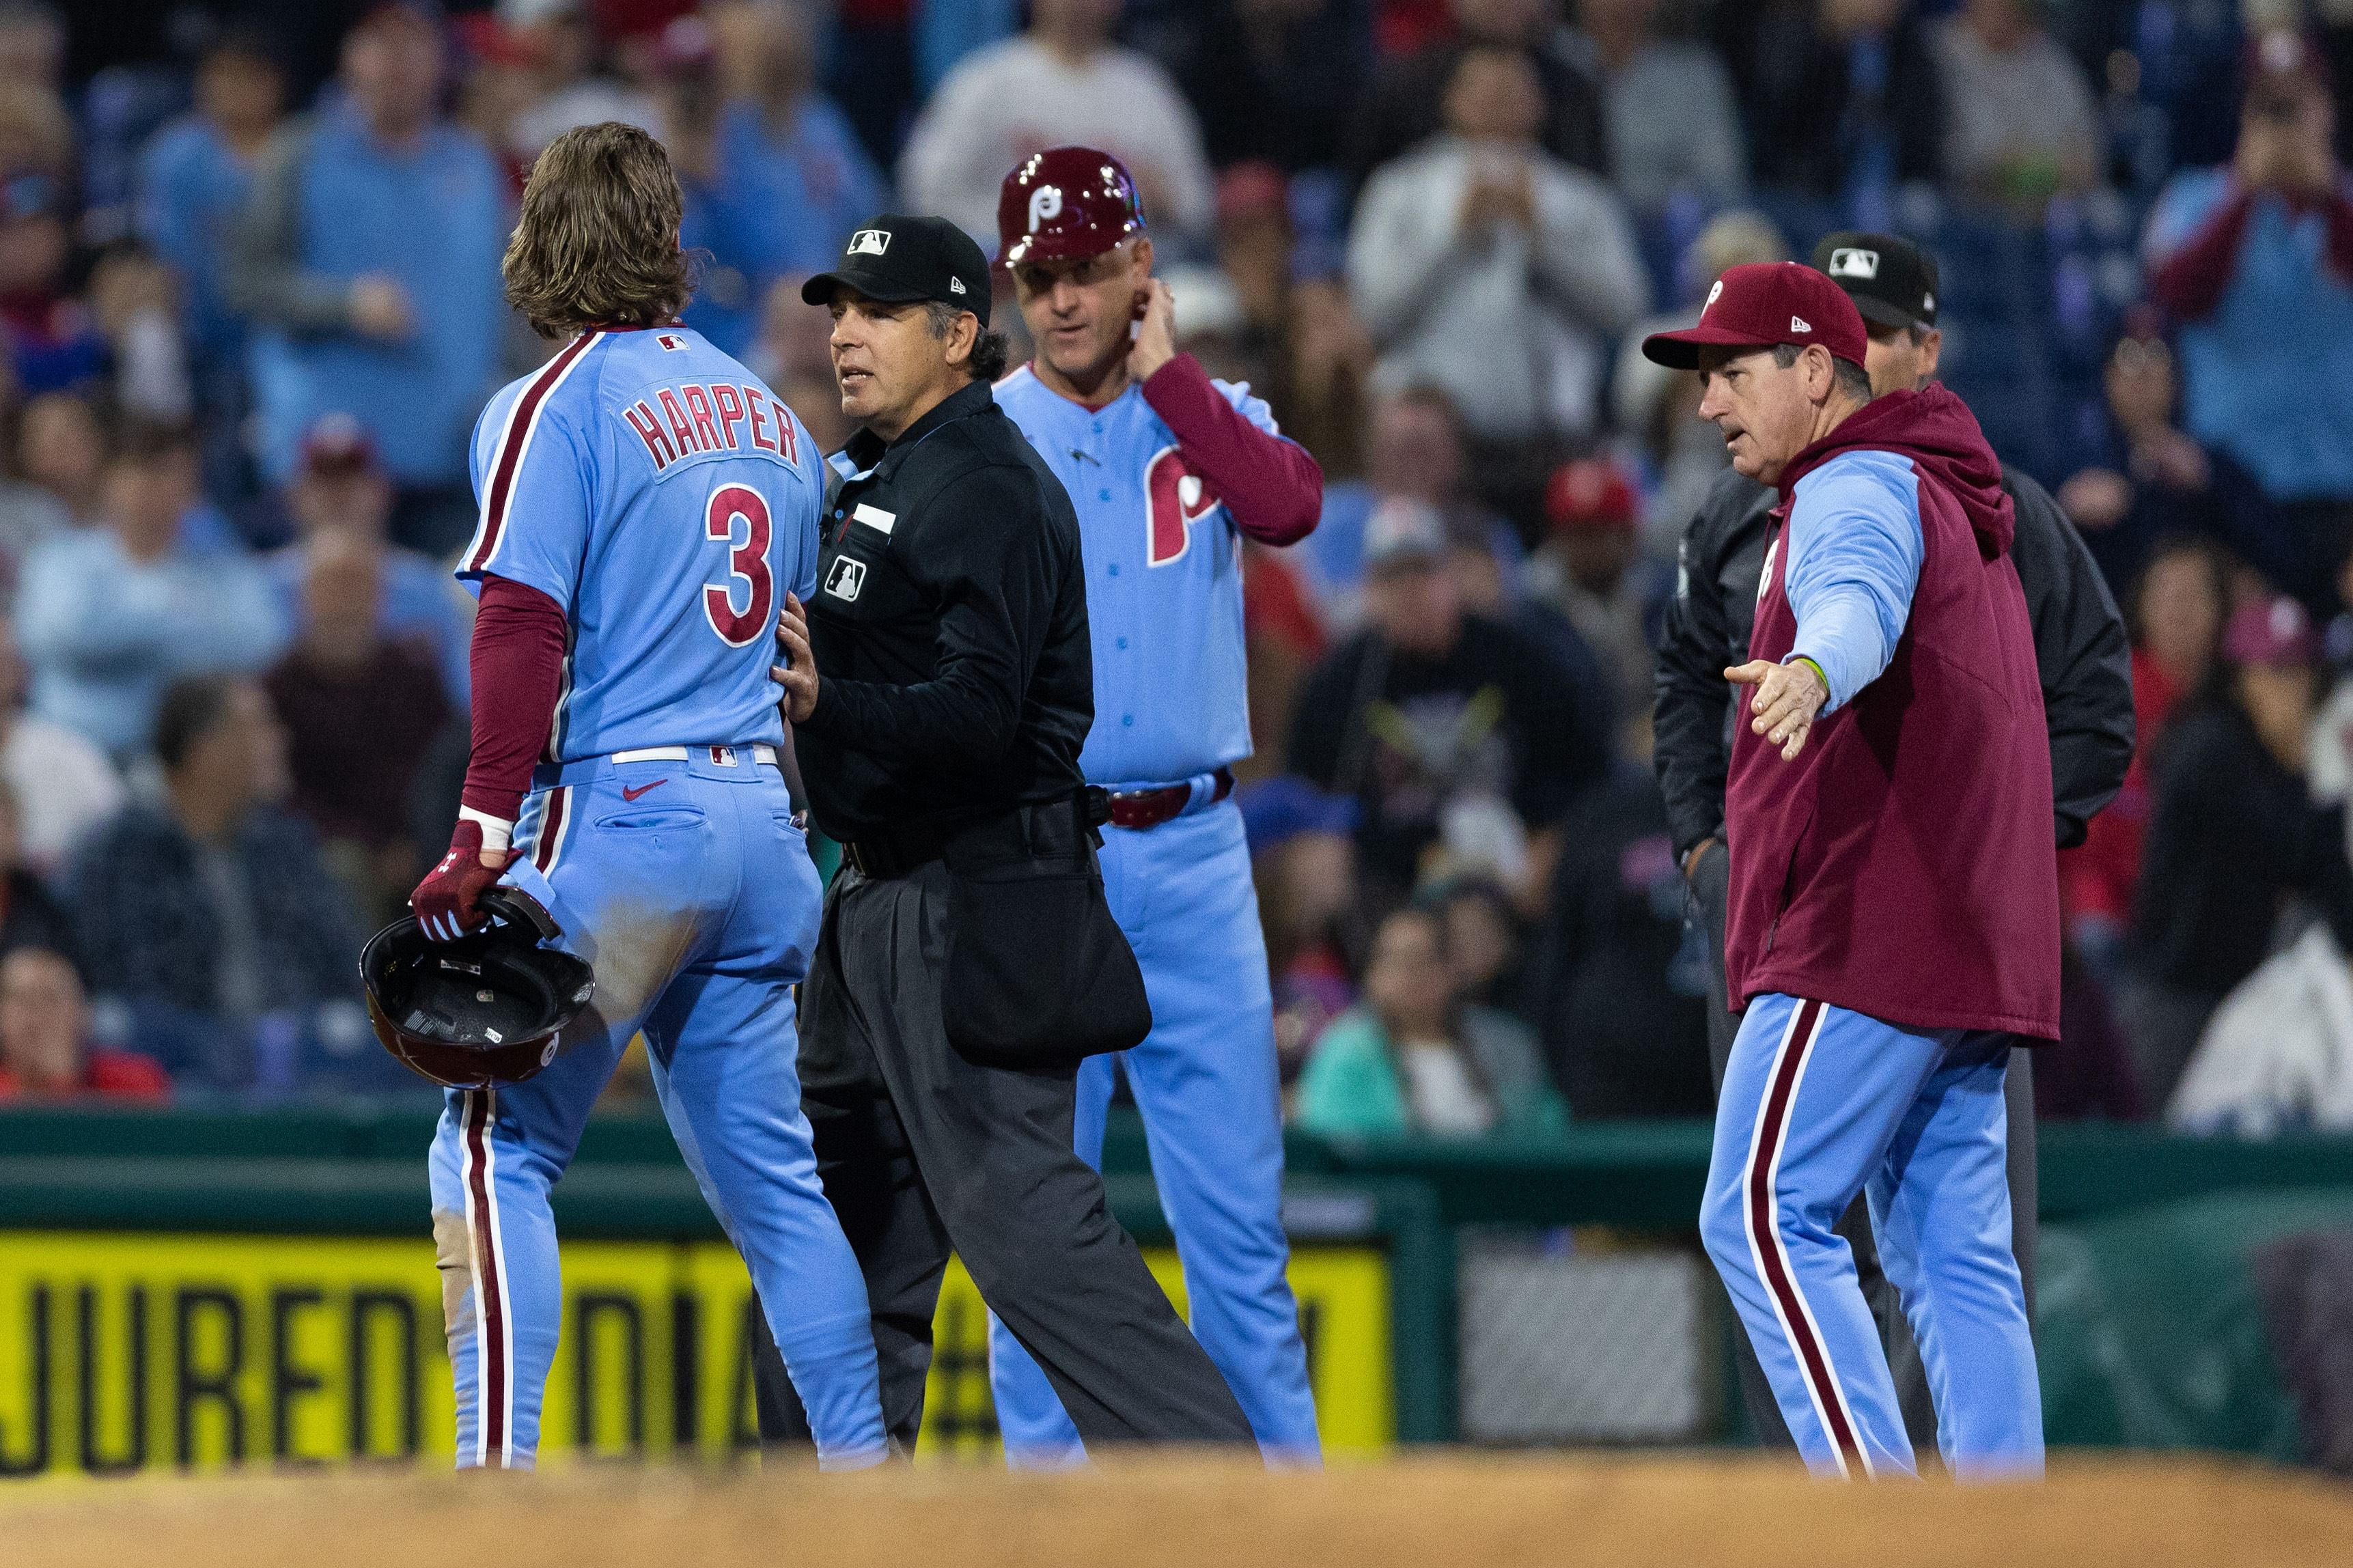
(1787, 697)
(797, 674)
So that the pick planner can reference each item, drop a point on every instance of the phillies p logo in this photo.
(1045, 202)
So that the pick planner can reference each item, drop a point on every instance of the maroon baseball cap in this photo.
(1063, 204)
(1763, 304)
(335, 445)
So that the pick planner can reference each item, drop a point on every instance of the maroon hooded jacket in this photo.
(1903, 866)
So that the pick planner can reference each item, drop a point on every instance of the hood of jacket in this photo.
(1936, 431)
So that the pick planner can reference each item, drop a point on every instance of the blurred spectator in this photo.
(342, 491)
(2254, 261)
(2157, 482)
(30, 915)
(357, 306)
(107, 616)
(1486, 267)
(1304, 862)
(61, 448)
(1491, 580)
(1672, 123)
(44, 1047)
(1284, 640)
(794, 356)
(1618, 996)
(134, 301)
(1460, 740)
(2232, 834)
(32, 45)
(1593, 569)
(1062, 81)
(1271, 80)
(53, 341)
(59, 785)
(1414, 452)
(1413, 1057)
(2020, 121)
(560, 40)
(790, 179)
(194, 176)
(360, 711)
(1840, 97)
(1658, 408)
(2278, 1055)
(1406, 103)
(1482, 937)
(2176, 613)
(212, 903)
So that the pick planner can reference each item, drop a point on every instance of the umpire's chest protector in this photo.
(1903, 866)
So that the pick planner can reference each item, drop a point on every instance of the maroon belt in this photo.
(1139, 810)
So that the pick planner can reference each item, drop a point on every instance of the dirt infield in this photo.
(1474, 1511)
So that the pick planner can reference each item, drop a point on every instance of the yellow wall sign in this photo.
(123, 1352)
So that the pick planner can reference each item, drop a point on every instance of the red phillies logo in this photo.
(1174, 497)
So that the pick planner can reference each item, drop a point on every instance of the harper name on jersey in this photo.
(1163, 583)
(672, 499)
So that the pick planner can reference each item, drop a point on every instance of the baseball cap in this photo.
(2282, 56)
(1065, 203)
(337, 445)
(901, 259)
(1401, 531)
(2273, 632)
(1762, 304)
(1892, 281)
(1589, 494)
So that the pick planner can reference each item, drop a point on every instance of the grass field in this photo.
(1468, 1509)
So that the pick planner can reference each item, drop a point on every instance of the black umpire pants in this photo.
(923, 1152)
(1710, 886)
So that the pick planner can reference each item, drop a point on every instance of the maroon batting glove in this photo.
(447, 902)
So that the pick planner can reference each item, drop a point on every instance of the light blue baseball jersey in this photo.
(658, 491)
(1163, 583)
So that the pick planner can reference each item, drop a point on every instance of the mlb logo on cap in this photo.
(1851, 262)
(1763, 305)
(870, 242)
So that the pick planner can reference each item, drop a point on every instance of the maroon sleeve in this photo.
(517, 662)
(2190, 282)
(1273, 487)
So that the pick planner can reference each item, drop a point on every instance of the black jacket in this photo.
(2231, 832)
(950, 630)
(2080, 647)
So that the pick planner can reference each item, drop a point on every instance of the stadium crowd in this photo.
(250, 307)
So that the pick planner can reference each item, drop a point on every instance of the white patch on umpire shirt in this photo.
(875, 518)
(847, 576)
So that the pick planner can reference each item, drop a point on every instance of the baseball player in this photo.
(645, 503)
(1168, 471)
(1895, 905)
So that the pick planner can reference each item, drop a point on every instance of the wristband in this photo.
(1807, 659)
(497, 832)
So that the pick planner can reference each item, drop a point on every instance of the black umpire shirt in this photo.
(2079, 651)
(950, 629)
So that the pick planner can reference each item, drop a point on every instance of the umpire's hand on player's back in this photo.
(797, 674)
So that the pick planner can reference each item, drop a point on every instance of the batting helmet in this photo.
(483, 1012)
(1065, 203)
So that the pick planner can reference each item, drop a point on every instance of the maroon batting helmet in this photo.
(485, 1011)
(1065, 203)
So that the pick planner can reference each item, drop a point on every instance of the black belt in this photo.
(904, 850)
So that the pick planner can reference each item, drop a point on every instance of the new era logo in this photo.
(870, 242)
(847, 576)
(1852, 263)
(955, 285)
(1800, 324)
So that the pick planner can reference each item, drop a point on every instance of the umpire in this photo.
(2085, 665)
(940, 686)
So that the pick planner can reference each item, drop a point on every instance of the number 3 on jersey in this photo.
(747, 563)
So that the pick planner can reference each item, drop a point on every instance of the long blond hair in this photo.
(597, 241)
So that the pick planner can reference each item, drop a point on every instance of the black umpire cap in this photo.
(1890, 281)
(900, 261)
